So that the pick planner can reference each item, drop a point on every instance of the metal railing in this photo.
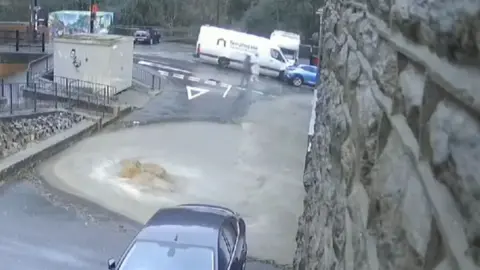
(146, 77)
(22, 40)
(39, 67)
(59, 93)
(181, 34)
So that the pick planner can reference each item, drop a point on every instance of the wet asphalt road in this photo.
(42, 228)
(224, 101)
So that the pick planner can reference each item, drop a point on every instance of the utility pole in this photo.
(320, 34)
(92, 15)
(320, 41)
(218, 12)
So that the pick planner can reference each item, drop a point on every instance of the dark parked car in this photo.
(146, 36)
(189, 236)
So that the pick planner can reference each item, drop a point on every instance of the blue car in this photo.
(301, 74)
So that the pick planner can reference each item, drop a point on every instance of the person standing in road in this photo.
(255, 68)
(247, 71)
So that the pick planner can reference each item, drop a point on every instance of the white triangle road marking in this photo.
(199, 91)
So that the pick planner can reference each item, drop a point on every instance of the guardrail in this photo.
(19, 40)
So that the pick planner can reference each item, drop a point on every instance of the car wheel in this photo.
(223, 62)
(297, 81)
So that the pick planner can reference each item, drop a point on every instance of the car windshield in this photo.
(149, 255)
(289, 54)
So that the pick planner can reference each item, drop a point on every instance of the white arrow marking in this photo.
(226, 91)
(200, 91)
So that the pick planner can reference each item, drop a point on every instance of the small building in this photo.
(94, 61)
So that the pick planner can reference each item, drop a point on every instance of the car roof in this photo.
(186, 224)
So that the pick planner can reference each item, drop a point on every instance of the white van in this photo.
(289, 43)
(228, 48)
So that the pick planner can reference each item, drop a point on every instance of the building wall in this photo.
(393, 179)
(121, 64)
(92, 62)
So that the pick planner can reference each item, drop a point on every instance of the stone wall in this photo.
(19, 132)
(394, 179)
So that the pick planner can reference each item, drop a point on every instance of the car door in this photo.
(279, 62)
(230, 231)
(242, 239)
(310, 74)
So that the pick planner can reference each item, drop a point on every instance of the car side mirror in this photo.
(111, 264)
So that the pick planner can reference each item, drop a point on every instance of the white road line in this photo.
(225, 85)
(257, 92)
(193, 79)
(150, 64)
(178, 76)
(163, 73)
(241, 88)
(173, 69)
(211, 82)
(145, 63)
(226, 91)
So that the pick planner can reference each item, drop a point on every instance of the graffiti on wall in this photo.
(76, 62)
(67, 22)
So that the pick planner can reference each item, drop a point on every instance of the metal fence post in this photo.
(28, 77)
(67, 88)
(11, 99)
(55, 88)
(153, 81)
(34, 97)
(46, 64)
(3, 88)
(104, 104)
(43, 42)
(17, 40)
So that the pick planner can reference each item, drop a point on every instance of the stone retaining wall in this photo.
(394, 179)
(18, 133)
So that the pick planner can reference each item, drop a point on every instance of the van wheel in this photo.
(281, 75)
(223, 62)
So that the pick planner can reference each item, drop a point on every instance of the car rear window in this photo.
(149, 255)
(141, 34)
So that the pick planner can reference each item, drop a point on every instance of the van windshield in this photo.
(289, 54)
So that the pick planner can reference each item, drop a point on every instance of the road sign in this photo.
(194, 92)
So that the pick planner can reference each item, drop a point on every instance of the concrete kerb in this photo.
(29, 158)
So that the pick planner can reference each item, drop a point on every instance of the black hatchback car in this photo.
(146, 36)
(189, 236)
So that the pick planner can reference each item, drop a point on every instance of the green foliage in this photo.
(255, 16)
